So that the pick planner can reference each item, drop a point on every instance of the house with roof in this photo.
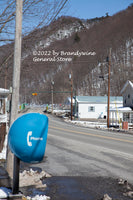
(3, 103)
(127, 93)
(95, 107)
(126, 112)
(3, 115)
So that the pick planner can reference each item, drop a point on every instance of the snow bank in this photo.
(88, 124)
(4, 192)
(37, 197)
(28, 178)
(3, 153)
(3, 118)
(31, 177)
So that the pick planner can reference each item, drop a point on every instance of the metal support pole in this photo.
(15, 189)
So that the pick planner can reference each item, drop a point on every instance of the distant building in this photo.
(95, 107)
(127, 93)
(3, 103)
(3, 116)
(124, 114)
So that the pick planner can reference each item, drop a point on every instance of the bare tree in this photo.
(36, 13)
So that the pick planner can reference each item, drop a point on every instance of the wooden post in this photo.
(15, 88)
(71, 96)
(108, 112)
(52, 93)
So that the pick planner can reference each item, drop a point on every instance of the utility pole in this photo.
(6, 75)
(71, 79)
(13, 170)
(52, 95)
(4, 107)
(109, 65)
(75, 106)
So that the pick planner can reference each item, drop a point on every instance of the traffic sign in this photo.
(34, 94)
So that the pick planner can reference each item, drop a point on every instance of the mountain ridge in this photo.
(71, 35)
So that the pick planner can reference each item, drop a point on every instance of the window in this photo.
(91, 109)
(129, 96)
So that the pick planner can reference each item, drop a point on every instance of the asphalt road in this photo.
(79, 151)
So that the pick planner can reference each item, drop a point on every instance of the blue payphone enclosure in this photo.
(28, 136)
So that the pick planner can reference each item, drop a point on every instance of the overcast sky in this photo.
(87, 9)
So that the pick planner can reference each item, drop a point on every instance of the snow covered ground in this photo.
(3, 153)
(88, 124)
(34, 178)
(6, 193)
(98, 125)
(28, 178)
(3, 118)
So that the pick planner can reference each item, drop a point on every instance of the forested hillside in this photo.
(71, 44)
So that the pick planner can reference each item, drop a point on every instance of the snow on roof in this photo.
(99, 99)
(125, 86)
(121, 109)
(68, 101)
(4, 92)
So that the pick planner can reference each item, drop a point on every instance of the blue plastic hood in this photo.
(28, 136)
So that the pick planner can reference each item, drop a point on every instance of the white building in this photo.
(3, 103)
(124, 114)
(120, 115)
(95, 107)
(127, 93)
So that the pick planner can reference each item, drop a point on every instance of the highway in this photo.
(79, 151)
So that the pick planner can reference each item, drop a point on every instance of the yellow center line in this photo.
(90, 134)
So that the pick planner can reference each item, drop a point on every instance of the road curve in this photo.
(79, 151)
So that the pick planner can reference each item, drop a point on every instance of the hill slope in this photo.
(81, 46)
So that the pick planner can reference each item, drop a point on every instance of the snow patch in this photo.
(88, 124)
(37, 197)
(3, 153)
(31, 177)
(4, 192)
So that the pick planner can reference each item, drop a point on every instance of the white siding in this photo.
(128, 97)
(85, 111)
(88, 111)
